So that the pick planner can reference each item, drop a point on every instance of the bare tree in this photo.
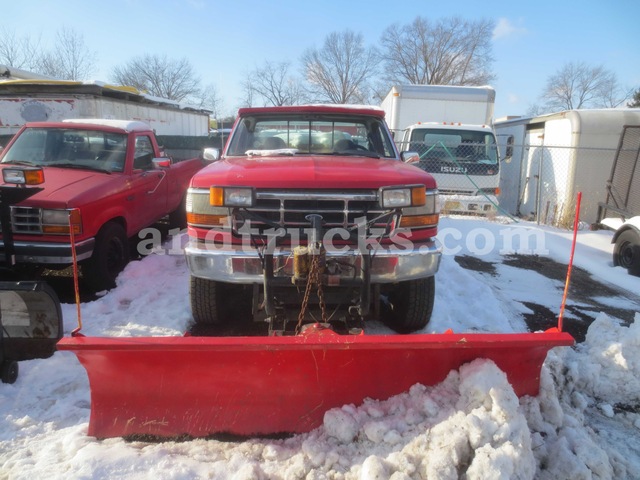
(70, 59)
(249, 92)
(160, 76)
(273, 84)
(340, 71)
(17, 52)
(210, 100)
(578, 85)
(451, 51)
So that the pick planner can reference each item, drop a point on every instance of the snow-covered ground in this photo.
(583, 424)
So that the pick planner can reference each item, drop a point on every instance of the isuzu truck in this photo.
(451, 128)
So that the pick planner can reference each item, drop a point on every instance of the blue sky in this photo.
(224, 40)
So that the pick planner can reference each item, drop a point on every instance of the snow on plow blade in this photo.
(250, 386)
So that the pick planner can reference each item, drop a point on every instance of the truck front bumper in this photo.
(48, 252)
(469, 204)
(389, 264)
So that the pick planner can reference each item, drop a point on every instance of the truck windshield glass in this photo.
(455, 151)
(69, 148)
(293, 135)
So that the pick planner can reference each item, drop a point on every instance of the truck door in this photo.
(149, 184)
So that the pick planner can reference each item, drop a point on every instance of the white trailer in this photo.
(550, 158)
(450, 127)
(33, 100)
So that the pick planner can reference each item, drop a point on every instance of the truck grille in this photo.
(26, 220)
(288, 209)
(444, 191)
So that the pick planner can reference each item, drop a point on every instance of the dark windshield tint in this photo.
(453, 151)
(66, 148)
(466, 146)
(321, 135)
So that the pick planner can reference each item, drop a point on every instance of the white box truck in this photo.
(451, 129)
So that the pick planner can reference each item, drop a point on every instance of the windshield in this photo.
(454, 151)
(69, 148)
(319, 135)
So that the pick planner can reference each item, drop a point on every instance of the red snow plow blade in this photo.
(199, 386)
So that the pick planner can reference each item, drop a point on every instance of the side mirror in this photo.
(211, 154)
(410, 157)
(161, 162)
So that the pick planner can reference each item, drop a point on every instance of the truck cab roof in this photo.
(318, 108)
(126, 125)
(450, 126)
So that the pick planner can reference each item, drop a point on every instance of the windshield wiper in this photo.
(80, 166)
(357, 153)
(19, 162)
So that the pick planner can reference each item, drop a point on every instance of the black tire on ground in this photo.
(110, 256)
(9, 371)
(626, 252)
(218, 303)
(409, 305)
(178, 218)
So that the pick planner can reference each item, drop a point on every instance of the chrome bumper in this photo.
(50, 253)
(242, 265)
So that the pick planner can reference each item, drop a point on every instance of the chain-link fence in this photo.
(536, 182)
(541, 182)
(623, 187)
(467, 170)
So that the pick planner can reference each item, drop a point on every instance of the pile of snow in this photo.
(583, 424)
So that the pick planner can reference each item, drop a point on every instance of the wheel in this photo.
(218, 303)
(178, 218)
(9, 373)
(626, 252)
(110, 256)
(409, 305)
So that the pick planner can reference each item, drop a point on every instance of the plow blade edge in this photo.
(199, 386)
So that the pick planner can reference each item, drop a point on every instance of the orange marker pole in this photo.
(573, 248)
(76, 286)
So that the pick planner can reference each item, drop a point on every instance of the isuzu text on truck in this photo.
(100, 181)
(311, 216)
(451, 128)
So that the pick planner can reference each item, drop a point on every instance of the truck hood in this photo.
(65, 188)
(311, 172)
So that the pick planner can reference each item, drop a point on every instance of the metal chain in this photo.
(305, 301)
(314, 277)
(323, 308)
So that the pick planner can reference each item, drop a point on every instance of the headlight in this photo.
(398, 197)
(200, 212)
(231, 196)
(425, 216)
(57, 222)
(23, 176)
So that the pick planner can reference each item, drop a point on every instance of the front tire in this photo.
(409, 305)
(178, 218)
(9, 371)
(626, 252)
(218, 303)
(110, 256)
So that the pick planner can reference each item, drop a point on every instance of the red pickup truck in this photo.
(311, 215)
(104, 179)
